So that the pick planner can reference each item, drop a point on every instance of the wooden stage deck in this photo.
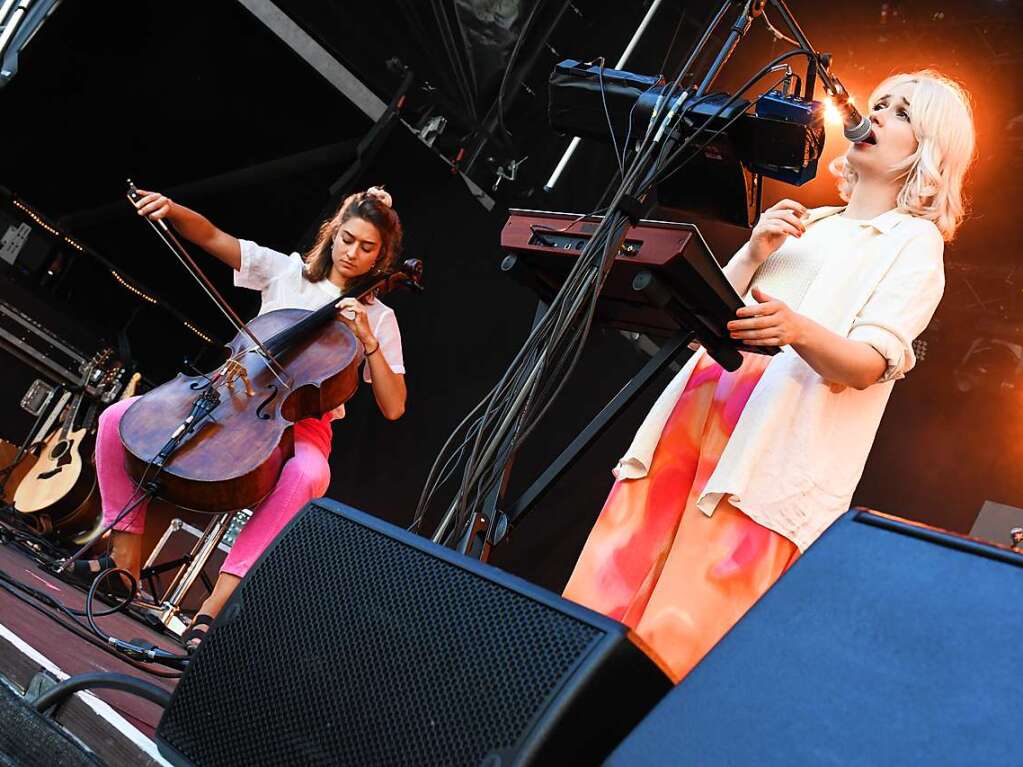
(117, 726)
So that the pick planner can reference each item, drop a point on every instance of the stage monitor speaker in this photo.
(353, 642)
(885, 643)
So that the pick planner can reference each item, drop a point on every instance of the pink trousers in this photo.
(305, 476)
(655, 561)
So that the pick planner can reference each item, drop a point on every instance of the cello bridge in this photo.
(233, 370)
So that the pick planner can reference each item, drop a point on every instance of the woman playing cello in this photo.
(363, 237)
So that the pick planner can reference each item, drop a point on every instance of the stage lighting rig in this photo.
(778, 134)
(991, 365)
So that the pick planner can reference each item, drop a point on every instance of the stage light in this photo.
(831, 113)
(990, 365)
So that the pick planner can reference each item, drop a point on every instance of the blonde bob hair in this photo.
(942, 120)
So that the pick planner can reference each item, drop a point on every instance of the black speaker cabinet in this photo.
(353, 642)
(887, 643)
(29, 738)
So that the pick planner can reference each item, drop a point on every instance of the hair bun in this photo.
(380, 194)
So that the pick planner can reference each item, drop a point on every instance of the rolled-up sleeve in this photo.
(904, 301)
(259, 266)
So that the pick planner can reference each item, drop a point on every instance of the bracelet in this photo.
(375, 350)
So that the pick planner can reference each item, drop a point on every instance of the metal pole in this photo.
(318, 57)
(11, 25)
(737, 32)
(801, 38)
(170, 606)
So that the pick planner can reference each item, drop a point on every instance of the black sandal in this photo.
(85, 571)
(194, 636)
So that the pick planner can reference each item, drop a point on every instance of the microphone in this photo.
(855, 126)
(204, 404)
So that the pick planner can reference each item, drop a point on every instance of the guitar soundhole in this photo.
(65, 459)
(58, 450)
(262, 405)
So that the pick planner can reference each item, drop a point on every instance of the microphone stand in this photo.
(487, 525)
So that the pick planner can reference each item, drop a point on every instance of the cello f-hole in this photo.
(260, 411)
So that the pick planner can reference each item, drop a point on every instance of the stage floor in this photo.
(116, 725)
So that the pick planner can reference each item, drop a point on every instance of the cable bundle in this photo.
(507, 415)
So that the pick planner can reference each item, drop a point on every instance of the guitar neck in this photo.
(90, 416)
(73, 409)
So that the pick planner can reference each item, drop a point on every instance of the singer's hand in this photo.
(781, 220)
(153, 205)
(769, 322)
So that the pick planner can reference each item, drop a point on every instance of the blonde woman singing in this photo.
(733, 475)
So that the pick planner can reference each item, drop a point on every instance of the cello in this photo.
(217, 442)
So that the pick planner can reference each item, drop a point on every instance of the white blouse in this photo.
(800, 444)
(279, 279)
(789, 272)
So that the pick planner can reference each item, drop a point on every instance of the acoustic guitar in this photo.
(56, 491)
(62, 479)
(85, 523)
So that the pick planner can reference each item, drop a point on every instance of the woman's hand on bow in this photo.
(153, 205)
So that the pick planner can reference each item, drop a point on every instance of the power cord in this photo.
(63, 690)
(74, 624)
(510, 412)
(151, 654)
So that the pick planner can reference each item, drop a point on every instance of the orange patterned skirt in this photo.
(654, 561)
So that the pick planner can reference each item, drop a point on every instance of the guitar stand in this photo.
(149, 573)
(191, 568)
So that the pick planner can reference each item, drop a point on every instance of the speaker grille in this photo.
(349, 647)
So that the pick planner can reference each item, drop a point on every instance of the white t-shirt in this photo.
(280, 280)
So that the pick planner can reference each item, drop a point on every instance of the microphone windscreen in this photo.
(856, 130)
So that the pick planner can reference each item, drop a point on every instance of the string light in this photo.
(37, 218)
(81, 249)
(152, 300)
(198, 332)
(132, 288)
